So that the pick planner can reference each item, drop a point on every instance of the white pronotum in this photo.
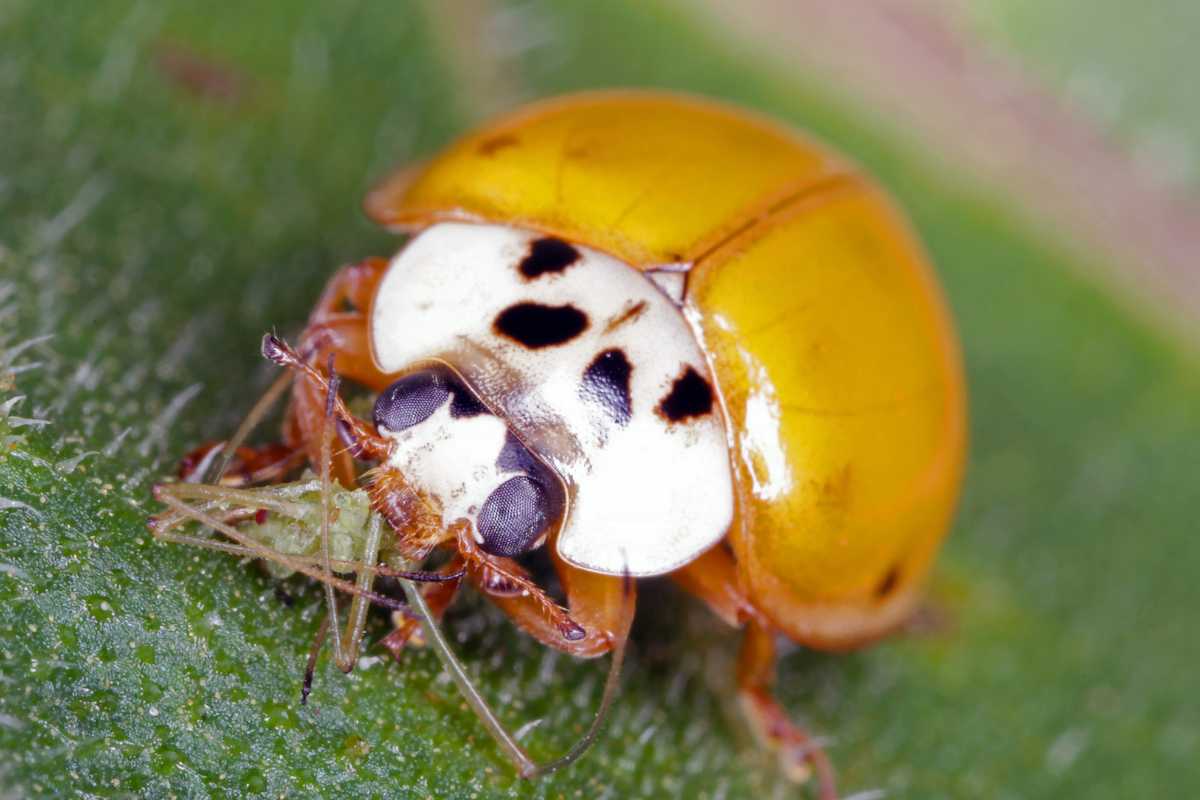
(591, 364)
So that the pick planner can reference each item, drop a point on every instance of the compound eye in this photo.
(410, 400)
(513, 517)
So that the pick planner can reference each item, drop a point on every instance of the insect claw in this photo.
(306, 687)
(278, 351)
(571, 630)
(346, 433)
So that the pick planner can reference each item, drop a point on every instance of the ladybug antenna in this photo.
(526, 766)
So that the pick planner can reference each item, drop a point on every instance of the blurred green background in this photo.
(175, 178)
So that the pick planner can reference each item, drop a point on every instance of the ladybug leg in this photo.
(249, 466)
(343, 336)
(508, 585)
(800, 753)
(353, 285)
(601, 605)
(713, 579)
(338, 326)
(506, 582)
(313, 382)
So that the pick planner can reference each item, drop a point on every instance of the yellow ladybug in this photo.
(654, 334)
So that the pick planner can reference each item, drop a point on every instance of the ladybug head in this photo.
(456, 450)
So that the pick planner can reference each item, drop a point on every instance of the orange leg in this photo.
(354, 285)
(345, 337)
(602, 605)
(713, 578)
(333, 329)
(250, 466)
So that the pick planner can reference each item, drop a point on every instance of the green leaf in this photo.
(176, 178)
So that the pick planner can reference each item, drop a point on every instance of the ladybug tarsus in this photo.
(572, 631)
(278, 351)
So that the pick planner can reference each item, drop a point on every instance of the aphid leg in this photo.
(521, 759)
(248, 546)
(325, 462)
(314, 652)
(211, 463)
(349, 643)
(257, 412)
(365, 579)
(713, 578)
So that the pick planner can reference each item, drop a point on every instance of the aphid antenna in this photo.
(525, 764)
(611, 685)
(229, 495)
(254, 416)
(339, 565)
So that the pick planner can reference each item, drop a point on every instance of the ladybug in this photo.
(650, 334)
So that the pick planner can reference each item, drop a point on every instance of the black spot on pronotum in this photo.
(888, 583)
(690, 396)
(547, 255)
(606, 383)
(535, 326)
(464, 403)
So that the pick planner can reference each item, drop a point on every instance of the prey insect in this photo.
(332, 534)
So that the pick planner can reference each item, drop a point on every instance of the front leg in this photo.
(601, 609)
(366, 443)
(338, 326)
